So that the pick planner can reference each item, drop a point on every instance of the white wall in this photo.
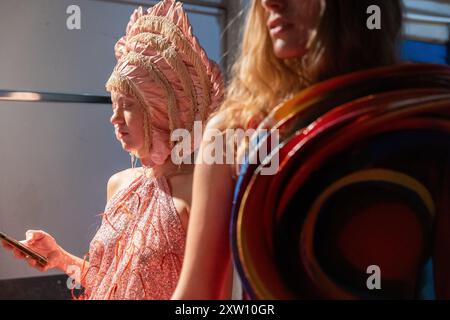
(55, 158)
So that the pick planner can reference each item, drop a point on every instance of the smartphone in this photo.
(24, 249)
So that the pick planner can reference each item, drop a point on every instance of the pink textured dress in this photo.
(138, 251)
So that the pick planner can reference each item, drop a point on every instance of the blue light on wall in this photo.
(419, 51)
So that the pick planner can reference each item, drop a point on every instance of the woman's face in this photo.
(291, 23)
(128, 121)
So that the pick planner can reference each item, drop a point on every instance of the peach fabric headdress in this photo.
(161, 64)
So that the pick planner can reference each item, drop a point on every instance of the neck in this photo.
(168, 168)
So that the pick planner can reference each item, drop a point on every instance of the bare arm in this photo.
(57, 257)
(69, 262)
(43, 243)
(207, 262)
(74, 266)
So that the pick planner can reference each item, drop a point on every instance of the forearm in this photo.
(73, 266)
(220, 288)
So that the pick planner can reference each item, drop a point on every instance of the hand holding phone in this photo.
(28, 252)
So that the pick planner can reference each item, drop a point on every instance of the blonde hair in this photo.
(342, 44)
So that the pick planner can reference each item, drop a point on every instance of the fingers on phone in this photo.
(26, 243)
(34, 235)
(34, 264)
(18, 254)
(6, 245)
(41, 268)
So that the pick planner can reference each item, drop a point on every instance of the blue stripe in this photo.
(419, 51)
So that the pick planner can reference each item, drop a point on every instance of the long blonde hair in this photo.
(342, 44)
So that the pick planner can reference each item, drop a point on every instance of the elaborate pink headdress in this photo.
(162, 65)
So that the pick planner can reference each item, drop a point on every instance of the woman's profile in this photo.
(163, 81)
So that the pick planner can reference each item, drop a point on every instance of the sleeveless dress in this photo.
(138, 250)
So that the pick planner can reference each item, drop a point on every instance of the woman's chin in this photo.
(132, 149)
(127, 147)
(285, 50)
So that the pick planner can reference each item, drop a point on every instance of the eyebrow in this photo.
(126, 98)
(122, 99)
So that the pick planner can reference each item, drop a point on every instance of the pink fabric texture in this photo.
(138, 251)
(161, 62)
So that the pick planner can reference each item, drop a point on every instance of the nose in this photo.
(273, 5)
(117, 117)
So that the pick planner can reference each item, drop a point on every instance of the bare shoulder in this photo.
(218, 124)
(119, 180)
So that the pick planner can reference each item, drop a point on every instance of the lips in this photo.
(120, 134)
(278, 25)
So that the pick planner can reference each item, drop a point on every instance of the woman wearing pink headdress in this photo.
(163, 81)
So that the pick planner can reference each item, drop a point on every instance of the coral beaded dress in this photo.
(138, 251)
